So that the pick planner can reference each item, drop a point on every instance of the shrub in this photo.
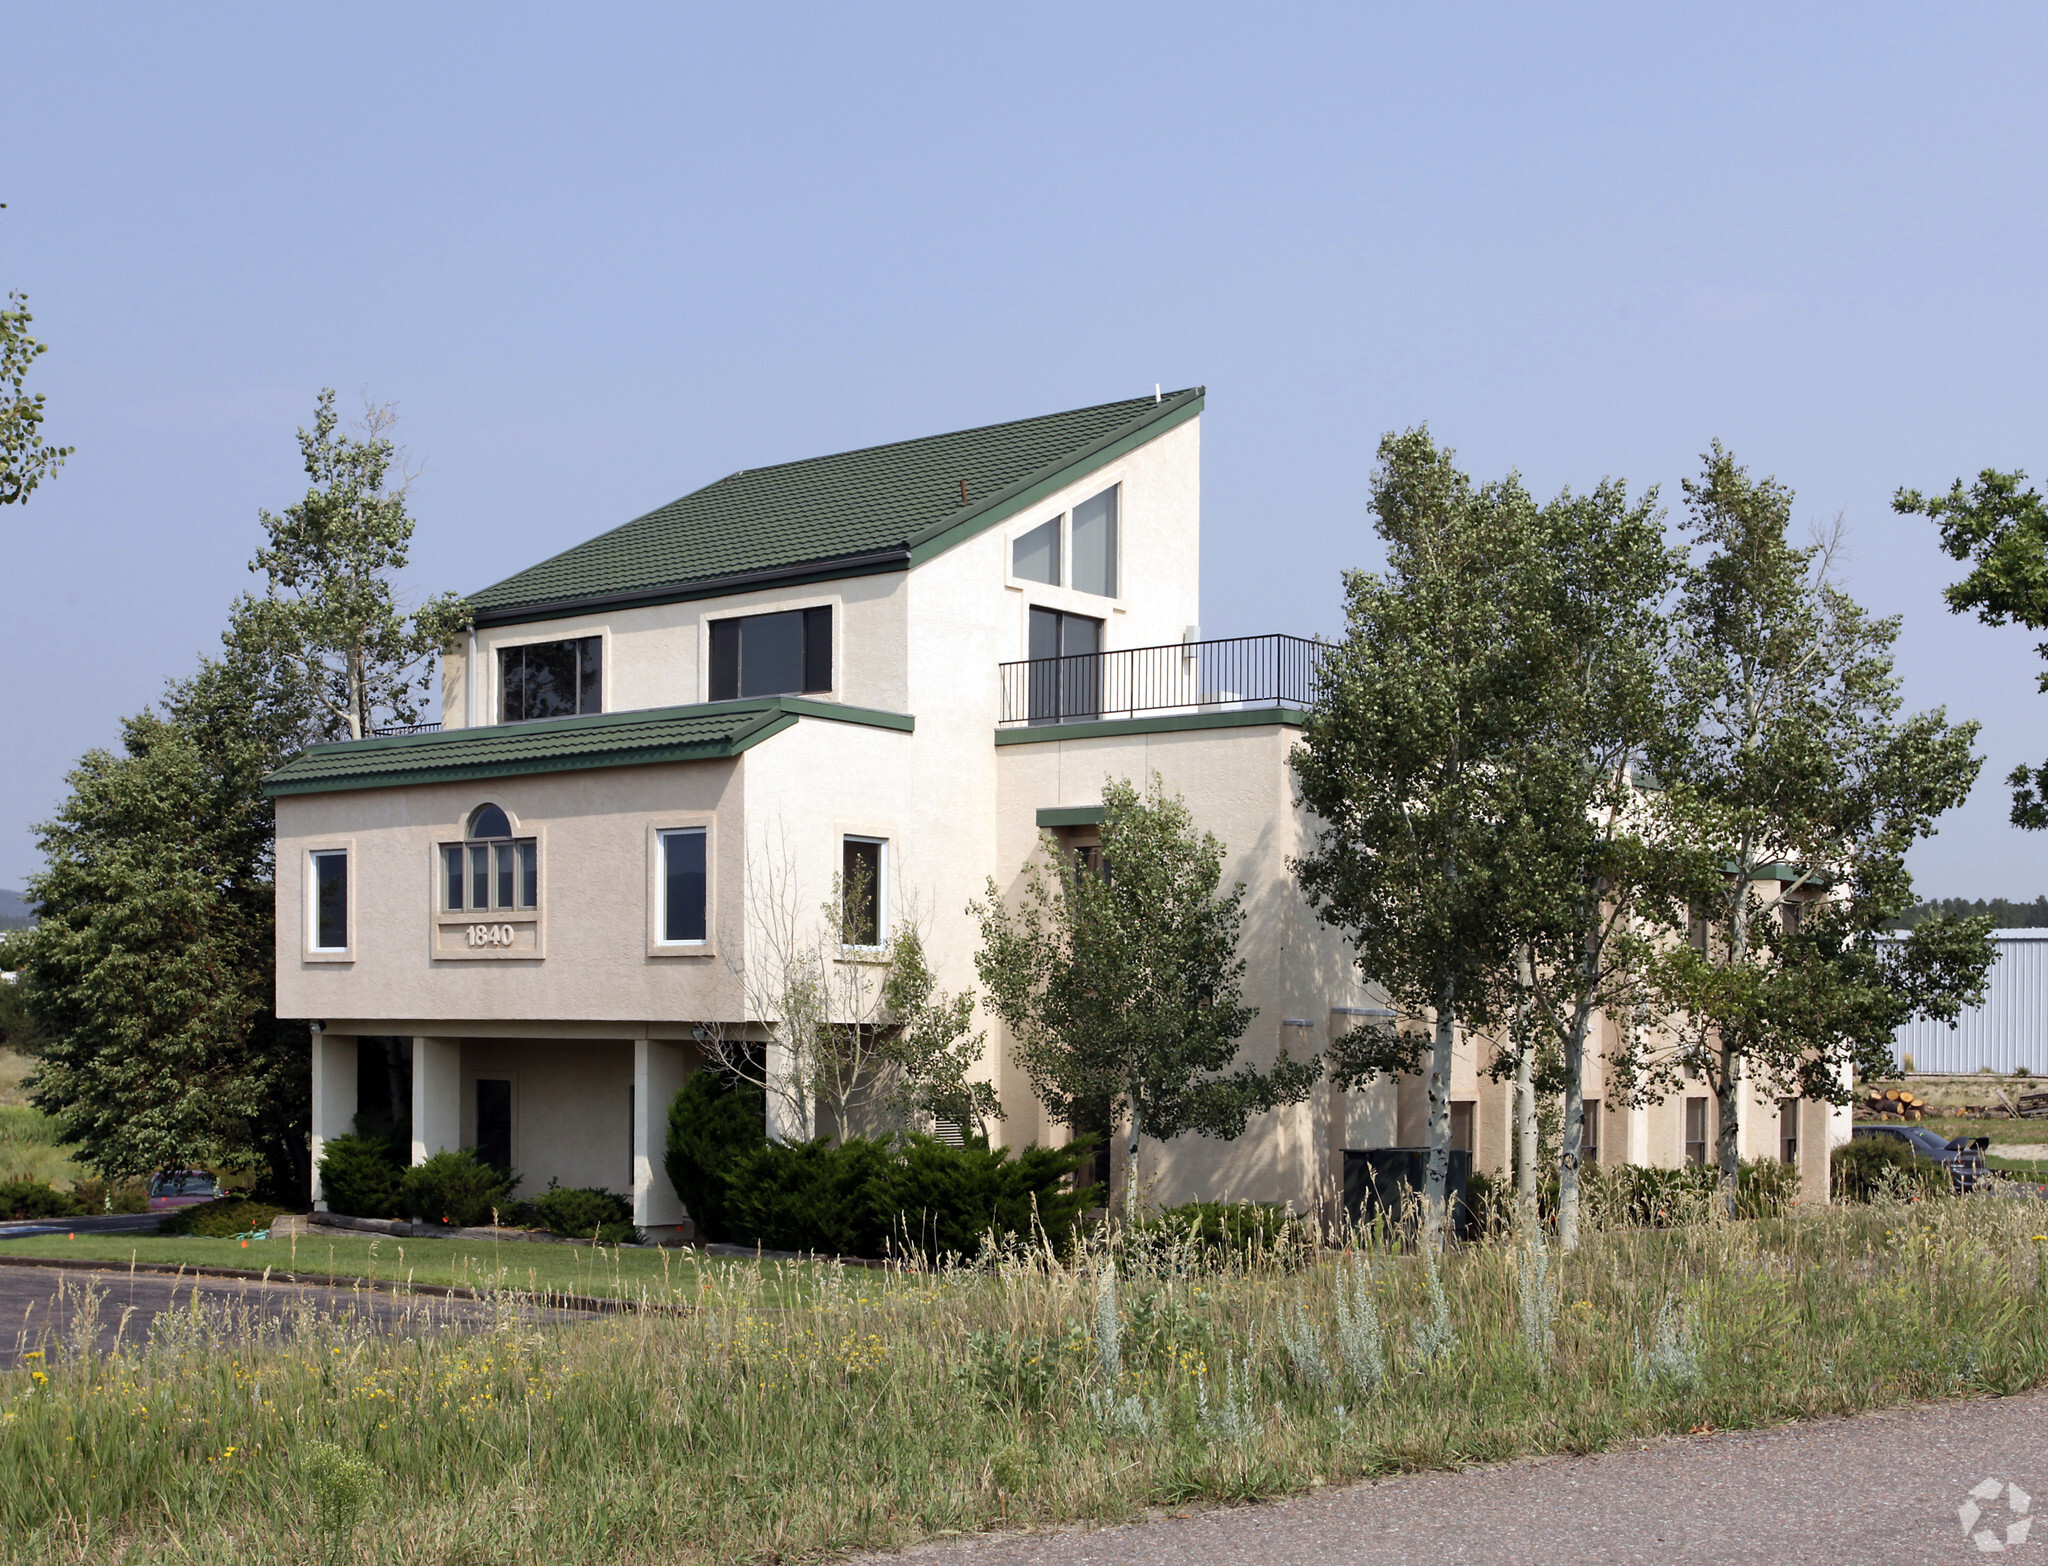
(116, 1196)
(456, 1189)
(219, 1220)
(359, 1176)
(37, 1199)
(807, 1196)
(584, 1213)
(868, 1197)
(939, 1199)
(1867, 1166)
(1641, 1196)
(712, 1120)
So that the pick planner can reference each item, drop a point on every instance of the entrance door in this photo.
(494, 1122)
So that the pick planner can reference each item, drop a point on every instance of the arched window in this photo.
(491, 870)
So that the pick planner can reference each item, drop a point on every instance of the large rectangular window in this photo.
(1696, 1131)
(1095, 545)
(683, 913)
(1071, 688)
(1788, 1130)
(787, 654)
(863, 894)
(1589, 1131)
(1035, 556)
(551, 679)
(330, 900)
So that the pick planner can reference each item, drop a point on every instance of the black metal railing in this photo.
(404, 728)
(1233, 673)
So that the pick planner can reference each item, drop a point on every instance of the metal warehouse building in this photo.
(2008, 1031)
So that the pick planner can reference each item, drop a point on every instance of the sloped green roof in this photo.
(882, 508)
(615, 739)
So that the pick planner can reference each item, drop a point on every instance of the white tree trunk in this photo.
(1525, 1098)
(1436, 1182)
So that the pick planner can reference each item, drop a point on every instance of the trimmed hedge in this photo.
(1641, 1195)
(455, 1189)
(359, 1176)
(37, 1199)
(713, 1120)
(585, 1213)
(222, 1219)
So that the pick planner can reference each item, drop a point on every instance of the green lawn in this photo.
(676, 1276)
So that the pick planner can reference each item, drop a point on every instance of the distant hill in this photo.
(14, 914)
(2004, 915)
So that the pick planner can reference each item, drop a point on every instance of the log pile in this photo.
(1895, 1104)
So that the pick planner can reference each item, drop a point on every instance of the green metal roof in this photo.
(708, 732)
(882, 508)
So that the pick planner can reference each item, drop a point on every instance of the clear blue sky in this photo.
(602, 255)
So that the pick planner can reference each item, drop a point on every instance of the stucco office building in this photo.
(913, 659)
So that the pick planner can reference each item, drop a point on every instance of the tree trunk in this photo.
(1525, 1097)
(1727, 1137)
(1435, 1185)
(1131, 1163)
(1574, 1137)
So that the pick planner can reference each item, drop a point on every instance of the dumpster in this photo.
(1379, 1180)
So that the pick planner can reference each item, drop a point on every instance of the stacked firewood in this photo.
(1894, 1104)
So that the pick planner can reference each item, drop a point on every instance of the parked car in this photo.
(1962, 1156)
(181, 1188)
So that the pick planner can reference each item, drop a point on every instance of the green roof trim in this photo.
(710, 731)
(1165, 723)
(854, 513)
(1071, 815)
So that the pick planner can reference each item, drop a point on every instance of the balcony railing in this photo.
(403, 728)
(1221, 676)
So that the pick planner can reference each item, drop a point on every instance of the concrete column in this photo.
(334, 1097)
(660, 1069)
(436, 1097)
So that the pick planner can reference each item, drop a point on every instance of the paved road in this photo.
(40, 1307)
(1879, 1489)
(93, 1223)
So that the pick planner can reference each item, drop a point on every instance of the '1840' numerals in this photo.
(490, 935)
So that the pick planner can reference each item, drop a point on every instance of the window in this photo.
(1461, 1125)
(494, 1122)
(1064, 689)
(1035, 557)
(1589, 1135)
(1095, 545)
(1695, 1130)
(783, 654)
(682, 887)
(551, 679)
(491, 870)
(330, 901)
(862, 891)
(1788, 1130)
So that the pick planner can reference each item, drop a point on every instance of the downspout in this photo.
(469, 683)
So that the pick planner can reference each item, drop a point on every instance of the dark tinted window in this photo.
(1071, 689)
(489, 821)
(1095, 545)
(330, 901)
(771, 654)
(552, 679)
(682, 891)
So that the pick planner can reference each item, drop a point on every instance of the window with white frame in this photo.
(490, 870)
(683, 914)
(863, 890)
(1077, 549)
(330, 900)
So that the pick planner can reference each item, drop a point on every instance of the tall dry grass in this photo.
(883, 1408)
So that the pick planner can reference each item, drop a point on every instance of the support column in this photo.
(660, 1068)
(334, 1098)
(436, 1097)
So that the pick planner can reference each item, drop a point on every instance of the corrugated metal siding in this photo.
(2010, 1029)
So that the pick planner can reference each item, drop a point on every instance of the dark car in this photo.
(181, 1188)
(1963, 1156)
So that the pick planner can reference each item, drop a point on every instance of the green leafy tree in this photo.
(933, 1043)
(1797, 790)
(1593, 883)
(2002, 530)
(1408, 763)
(150, 974)
(1122, 987)
(330, 609)
(25, 458)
